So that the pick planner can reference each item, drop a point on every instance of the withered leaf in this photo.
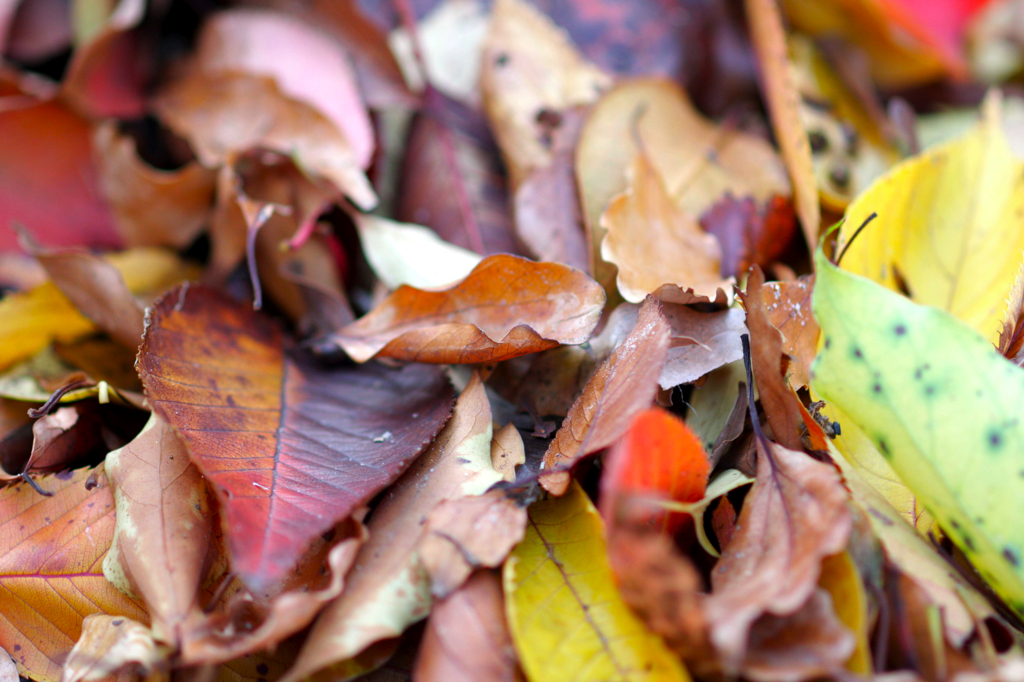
(51, 552)
(289, 448)
(466, 637)
(747, 233)
(622, 387)
(507, 307)
(109, 645)
(162, 543)
(788, 305)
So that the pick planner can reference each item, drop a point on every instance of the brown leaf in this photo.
(778, 83)
(51, 552)
(66, 437)
(290, 448)
(109, 645)
(530, 75)
(152, 207)
(389, 589)
(468, 533)
(789, 310)
(162, 547)
(781, 406)
(793, 517)
(466, 637)
(1011, 336)
(507, 451)
(506, 307)
(749, 234)
(654, 242)
(623, 386)
(701, 342)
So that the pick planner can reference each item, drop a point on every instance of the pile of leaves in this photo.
(465, 340)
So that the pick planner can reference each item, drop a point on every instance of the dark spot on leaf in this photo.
(463, 460)
(17, 647)
(995, 439)
(884, 447)
(857, 354)
(501, 59)
(900, 330)
(840, 177)
(116, 622)
(877, 388)
(818, 140)
(929, 390)
(954, 525)
(886, 521)
(828, 342)
(1011, 556)
(969, 542)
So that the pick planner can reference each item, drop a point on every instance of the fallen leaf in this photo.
(67, 437)
(654, 242)
(402, 253)
(152, 207)
(841, 578)
(466, 637)
(388, 588)
(697, 161)
(747, 233)
(161, 549)
(778, 83)
(51, 551)
(701, 342)
(304, 447)
(936, 399)
(51, 181)
(452, 180)
(8, 671)
(468, 533)
(506, 307)
(621, 388)
(110, 645)
(780, 403)
(950, 227)
(34, 318)
(793, 517)
(564, 610)
(657, 457)
(507, 451)
(1011, 336)
(531, 74)
(788, 305)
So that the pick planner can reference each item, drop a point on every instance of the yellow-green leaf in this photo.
(940, 404)
(950, 226)
(567, 618)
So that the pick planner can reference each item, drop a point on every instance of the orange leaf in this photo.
(507, 307)
(51, 576)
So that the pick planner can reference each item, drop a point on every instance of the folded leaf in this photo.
(290, 448)
(507, 307)
(51, 554)
(109, 645)
(943, 407)
(567, 618)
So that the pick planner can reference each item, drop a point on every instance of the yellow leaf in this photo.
(841, 579)
(35, 318)
(950, 226)
(567, 618)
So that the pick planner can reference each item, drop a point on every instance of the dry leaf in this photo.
(289, 448)
(654, 242)
(620, 389)
(749, 234)
(110, 645)
(507, 451)
(506, 307)
(788, 305)
(466, 639)
(701, 342)
(162, 545)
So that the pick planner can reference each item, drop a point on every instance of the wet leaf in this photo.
(564, 611)
(935, 410)
(621, 388)
(109, 645)
(788, 305)
(389, 588)
(162, 545)
(289, 448)
(466, 637)
(51, 553)
(506, 307)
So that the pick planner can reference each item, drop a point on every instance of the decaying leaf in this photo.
(564, 611)
(389, 588)
(289, 448)
(51, 553)
(936, 399)
(467, 638)
(162, 546)
(652, 241)
(506, 307)
(111, 645)
(701, 342)
(788, 305)
(620, 389)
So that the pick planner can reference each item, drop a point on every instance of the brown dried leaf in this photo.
(507, 451)
(506, 307)
(466, 637)
(653, 241)
(162, 546)
(68, 436)
(789, 310)
(623, 386)
(548, 217)
(781, 406)
(701, 342)
(793, 517)
(152, 207)
(468, 533)
(749, 234)
(389, 589)
(110, 645)
(783, 98)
